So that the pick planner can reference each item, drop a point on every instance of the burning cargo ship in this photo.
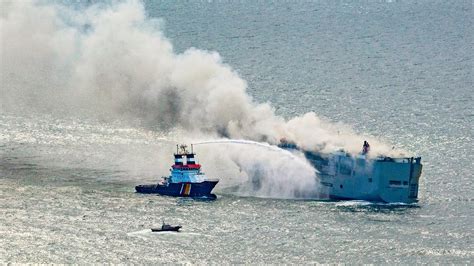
(344, 176)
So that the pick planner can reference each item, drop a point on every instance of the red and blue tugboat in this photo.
(186, 179)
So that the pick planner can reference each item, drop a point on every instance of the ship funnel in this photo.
(178, 159)
(190, 158)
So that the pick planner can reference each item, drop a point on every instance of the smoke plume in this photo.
(111, 60)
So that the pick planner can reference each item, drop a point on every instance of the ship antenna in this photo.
(192, 150)
(177, 149)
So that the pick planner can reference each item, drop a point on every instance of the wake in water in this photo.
(148, 233)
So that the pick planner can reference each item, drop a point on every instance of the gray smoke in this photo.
(111, 60)
(269, 171)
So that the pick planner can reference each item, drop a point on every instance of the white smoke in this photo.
(112, 60)
(268, 171)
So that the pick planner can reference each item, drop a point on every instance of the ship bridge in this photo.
(185, 168)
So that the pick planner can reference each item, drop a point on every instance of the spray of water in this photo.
(110, 60)
(249, 142)
(269, 171)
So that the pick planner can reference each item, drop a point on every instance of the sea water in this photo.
(397, 70)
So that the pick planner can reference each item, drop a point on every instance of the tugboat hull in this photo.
(181, 189)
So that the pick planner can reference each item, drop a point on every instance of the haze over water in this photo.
(399, 71)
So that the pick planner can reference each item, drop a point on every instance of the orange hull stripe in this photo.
(187, 189)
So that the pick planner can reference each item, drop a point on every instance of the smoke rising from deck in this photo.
(269, 171)
(265, 170)
(113, 60)
(110, 60)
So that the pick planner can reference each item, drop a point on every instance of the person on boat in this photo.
(365, 147)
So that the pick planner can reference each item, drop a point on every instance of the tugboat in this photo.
(167, 227)
(345, 176)
(186, 179)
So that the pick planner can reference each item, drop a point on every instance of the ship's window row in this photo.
(398, 182)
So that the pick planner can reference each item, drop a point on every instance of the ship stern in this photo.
(398, 179)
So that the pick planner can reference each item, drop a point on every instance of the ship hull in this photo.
(383, 179)
(389, 181)
(181, 189)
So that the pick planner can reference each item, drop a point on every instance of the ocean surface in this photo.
(401, 71)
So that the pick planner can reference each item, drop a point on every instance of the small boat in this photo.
(186, 179)
(167, 227)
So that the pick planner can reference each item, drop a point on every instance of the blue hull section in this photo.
(181, 189)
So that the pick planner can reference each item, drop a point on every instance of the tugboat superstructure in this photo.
(186, 179)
